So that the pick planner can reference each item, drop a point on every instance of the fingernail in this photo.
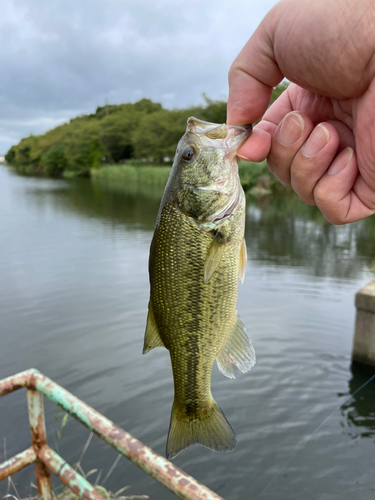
(316, 142)
(244, 158)
(339, 164)
(291, 129)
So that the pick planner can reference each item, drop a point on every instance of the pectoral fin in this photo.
(214, 255)
(238, 350)
(243, 260)
(152, 336)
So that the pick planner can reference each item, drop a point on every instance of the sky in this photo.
(63, 58)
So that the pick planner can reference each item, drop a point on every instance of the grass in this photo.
(62, 492)
(145, 174)
(67, 494)
(255, 177)
(250, 174)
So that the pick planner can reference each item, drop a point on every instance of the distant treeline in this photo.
(113, 134)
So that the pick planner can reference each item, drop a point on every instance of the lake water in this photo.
(73, 301)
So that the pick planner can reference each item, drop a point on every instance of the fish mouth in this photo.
(237, 135)
(233, 136)
(219, 130)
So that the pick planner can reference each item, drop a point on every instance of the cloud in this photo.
(63, 58)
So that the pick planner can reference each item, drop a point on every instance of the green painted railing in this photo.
(46, 460)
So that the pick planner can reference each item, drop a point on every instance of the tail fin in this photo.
(212, 431)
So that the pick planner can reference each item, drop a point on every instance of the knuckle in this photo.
(307, 198)
(333, 219)
(302, 182)
(231, 74)
(320, 194)
(300, 172)
(331, 211)
(279, 160)
(235, 71)
(281, 172)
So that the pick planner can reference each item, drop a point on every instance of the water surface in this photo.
(73, 301)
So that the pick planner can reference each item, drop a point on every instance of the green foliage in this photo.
(11, 155)
(214, 111)
(54, 161)
(277, 91)
(250, 172)
(157, 135)
(138, 172)
(143, 131)
(147, 174)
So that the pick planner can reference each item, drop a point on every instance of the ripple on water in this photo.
(74, 305)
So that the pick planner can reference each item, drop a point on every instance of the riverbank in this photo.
(254, 177)
(147, 174)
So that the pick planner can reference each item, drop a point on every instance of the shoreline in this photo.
(254, 177)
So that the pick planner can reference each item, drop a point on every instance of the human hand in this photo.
(319, 136)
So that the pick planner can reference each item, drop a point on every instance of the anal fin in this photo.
(237, 350)
(152, 336)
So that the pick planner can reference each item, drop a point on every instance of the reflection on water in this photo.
(280, 231)
(73, 301)
(129, 203)
(359, 411)
(286, 232)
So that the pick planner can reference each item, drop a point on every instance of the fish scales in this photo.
(199, 315)
(194, 315)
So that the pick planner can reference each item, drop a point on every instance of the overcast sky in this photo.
(61, 58)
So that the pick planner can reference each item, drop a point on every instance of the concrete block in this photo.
(364, 335)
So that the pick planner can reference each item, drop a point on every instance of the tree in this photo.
(157, 135)
(54, 161)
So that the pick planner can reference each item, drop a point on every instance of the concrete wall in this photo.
(364, 335)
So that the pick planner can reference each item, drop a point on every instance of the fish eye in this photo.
(189, 153)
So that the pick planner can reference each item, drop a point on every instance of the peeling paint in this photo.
(39, 438)
(68, 475)
(17, 463)
(163, 471)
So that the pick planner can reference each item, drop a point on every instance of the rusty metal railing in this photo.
(46, 460)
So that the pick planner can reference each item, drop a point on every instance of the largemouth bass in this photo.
(197, 254)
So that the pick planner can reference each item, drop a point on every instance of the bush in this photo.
(54, 161)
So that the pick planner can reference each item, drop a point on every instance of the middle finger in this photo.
(288, 138)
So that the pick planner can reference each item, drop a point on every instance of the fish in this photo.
(197, 254)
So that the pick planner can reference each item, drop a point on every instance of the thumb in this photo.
(253, 75)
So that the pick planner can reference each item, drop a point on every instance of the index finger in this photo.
(252, 77)
(258, 145)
